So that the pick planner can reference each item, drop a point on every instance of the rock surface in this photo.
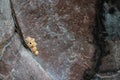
(63, 30)
(19, 63)
(16, 62)
(6, 24)
(110, 64)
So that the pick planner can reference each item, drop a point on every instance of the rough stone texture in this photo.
(63, 31)
(112, 60)
(109, 68)
(6, 24)
(19, 63)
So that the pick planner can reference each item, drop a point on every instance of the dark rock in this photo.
(109, 67)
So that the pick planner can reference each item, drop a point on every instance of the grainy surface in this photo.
(110, 64)
(6, 24)
(63, 31)
(18, 63)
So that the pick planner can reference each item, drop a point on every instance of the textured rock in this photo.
(6, 24)
(18, 63)
(110, 64)
(63, 31)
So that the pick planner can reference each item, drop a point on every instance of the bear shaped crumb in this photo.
(32, 45)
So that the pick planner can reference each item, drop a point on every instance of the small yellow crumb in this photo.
(36, 53)
(28, 39)
(34, 49)
(32, 39)
(32, 45)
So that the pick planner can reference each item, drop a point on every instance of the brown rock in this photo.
(63, 32)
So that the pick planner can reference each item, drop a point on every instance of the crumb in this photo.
(32, 45)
